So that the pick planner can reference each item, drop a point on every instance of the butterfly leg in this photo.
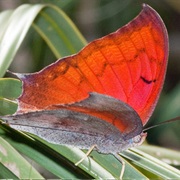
(118, 157)
(86, 155)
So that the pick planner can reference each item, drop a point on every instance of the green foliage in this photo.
(62, 38)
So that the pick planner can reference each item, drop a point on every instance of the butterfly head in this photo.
(138, 140)
(133, 142)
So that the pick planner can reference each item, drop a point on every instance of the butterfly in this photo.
(102, 96)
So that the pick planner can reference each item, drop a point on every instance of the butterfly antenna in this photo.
(162, 123)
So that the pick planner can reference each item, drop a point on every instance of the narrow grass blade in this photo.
(19, 23)
(17, 165)
(151, 166)
(58, 31)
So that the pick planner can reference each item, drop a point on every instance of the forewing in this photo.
(129, 65)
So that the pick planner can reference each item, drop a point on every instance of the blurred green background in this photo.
(96, 18)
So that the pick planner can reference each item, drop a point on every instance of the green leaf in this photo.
(7, 106)
(63, 38)
(6, 173)
(151, 166)
(9, 91)
(10, 88)
(58, 31)
(18, 23)
(51, 23)
(17, 165)
(169, 156)
(44, 155)
(4, 16)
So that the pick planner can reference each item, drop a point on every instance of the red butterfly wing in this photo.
(129, 65)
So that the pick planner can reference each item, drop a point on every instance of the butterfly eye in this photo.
(139, 139)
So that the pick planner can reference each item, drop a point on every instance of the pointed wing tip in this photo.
(150, 13)
(148, 10)
(144, 5)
